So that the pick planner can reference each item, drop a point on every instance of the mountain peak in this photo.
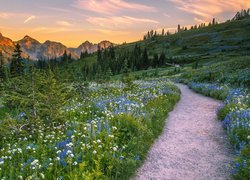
(87, 42)
(27, 37)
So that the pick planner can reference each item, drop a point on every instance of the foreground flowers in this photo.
(106, 134)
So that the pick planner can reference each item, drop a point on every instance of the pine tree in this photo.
(65, 57)
(148, 36)
(145, 59)
(213, 23)
(39, 95)
(163, 32)
(162, 59)
(125, 68)
(179, 28)
(17, 64)
(156, 60)
(109, 73)
(70, 57)
(99, 74)
(2, 73)
(99, 55)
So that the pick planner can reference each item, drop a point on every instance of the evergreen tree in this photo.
(65, 57)
(39, 95)
(148, 35)
(213, 22)
(109, 73)
(155, 61)
(99, 74)
(145, 59)
(70, 57)
(2, 73)
(17, 64)
(162, 59)
(179, 28)
(125, 68)
(163, 32)
(99, 55)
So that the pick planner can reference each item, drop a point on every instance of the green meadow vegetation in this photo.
(97, 117)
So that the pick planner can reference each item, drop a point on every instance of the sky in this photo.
(72, 22)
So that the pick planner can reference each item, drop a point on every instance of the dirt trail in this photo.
(193, 144)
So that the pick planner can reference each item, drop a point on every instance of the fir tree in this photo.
(125, 67)
(179, 28)
(213, 22)
(155, 60)
(17, 64)
(145, 59)
(2, 73)
(162, 59)
(109, 73)
(65, 57)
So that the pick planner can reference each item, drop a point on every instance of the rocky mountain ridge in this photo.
(35, 50)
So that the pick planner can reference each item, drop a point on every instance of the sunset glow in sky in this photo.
(75, 21)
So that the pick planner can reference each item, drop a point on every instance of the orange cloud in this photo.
(118, 22)
(5, 15)
(207, 9)
(111, 6)
(29, 19)
(64, 23)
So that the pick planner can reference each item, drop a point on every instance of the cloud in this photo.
(207, 9)
(5, 15)
(111, 6)
(111, 32)
(51, 30)
(198, 20)
(57, 9)
(29, 19)
(166, 15)
(116, 22)
(64, 23)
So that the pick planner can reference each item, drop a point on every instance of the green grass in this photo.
(230, 38)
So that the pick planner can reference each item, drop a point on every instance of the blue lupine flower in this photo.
(62, 144)
(69, 133)
(21, 116)
(137, 157)
(1, 161)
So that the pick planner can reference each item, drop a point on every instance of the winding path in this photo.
(193, 144)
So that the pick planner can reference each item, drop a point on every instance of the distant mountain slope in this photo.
(90, 47)
(35, 50)
(30, 46)
(6, 46)
(232, 37)
(52, 49)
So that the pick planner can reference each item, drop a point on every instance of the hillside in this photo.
(229, 38)
(208, 44)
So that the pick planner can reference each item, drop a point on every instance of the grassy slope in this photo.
(230, 38)
(207, 45)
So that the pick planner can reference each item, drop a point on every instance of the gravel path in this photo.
(193, 144)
